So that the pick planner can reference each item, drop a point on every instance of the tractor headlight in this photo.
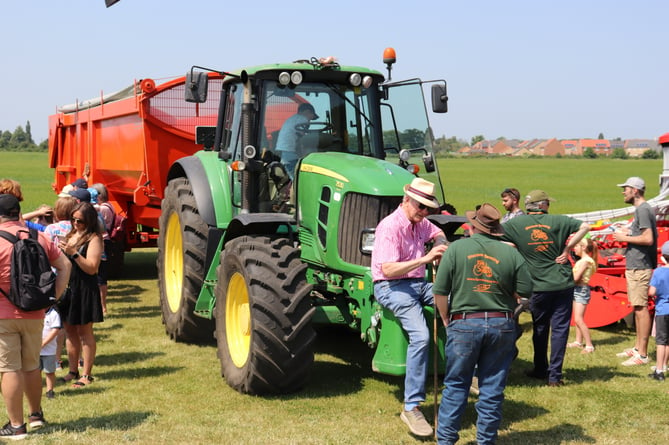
(367, 241)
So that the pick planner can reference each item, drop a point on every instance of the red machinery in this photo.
(608, 302)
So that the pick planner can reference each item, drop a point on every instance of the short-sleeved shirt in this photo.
(397, 239)
(51, 321)
(287, 139)
(540, 238)
(590, 269)
(660, 281)
(636, 255)
(7, 308)
(482, 274)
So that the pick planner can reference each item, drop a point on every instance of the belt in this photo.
(463, 315)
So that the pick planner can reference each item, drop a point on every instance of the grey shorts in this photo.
(47, 363)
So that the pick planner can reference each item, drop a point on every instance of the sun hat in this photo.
(635, 182)
(82, 195)
(9, 206)
(536, 196)
(66, 191)
(80, 183)
(422, 191)
(486, 219)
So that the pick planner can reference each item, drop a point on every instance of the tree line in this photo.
(20, 139)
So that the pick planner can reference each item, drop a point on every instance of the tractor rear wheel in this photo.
(182, 247)
(263, 316)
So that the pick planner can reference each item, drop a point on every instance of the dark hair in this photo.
(91, 222)
(511, 191)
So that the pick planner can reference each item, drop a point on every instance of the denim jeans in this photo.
(551, 316)
(486, 344)
(406, 298)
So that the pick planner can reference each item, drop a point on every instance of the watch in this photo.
(75, 256)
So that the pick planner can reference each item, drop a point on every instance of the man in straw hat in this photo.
(398, 271)
(542, 240)
(640, 260)
(484, 278)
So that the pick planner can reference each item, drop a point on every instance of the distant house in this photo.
(636, 147)
(571, 147)
(601, 147)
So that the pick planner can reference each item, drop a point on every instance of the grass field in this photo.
(150, 390)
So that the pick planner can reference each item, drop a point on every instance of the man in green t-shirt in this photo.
(542, 240)
(484, 278)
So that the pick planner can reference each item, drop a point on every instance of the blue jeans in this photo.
(486, 344)
(406, 298)
(551, 316)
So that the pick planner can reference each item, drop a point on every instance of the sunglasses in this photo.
(77, 221)
(511, 192)
(420, 205)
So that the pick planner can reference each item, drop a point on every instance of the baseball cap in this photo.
(9, 205)
(538, 195)
(82, 195)
(80, 183)
(635, 182)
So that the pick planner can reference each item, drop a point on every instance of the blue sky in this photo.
(515, 68)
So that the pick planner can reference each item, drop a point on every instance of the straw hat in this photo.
(422, 191)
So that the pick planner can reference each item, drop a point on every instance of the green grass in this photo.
(150, 390)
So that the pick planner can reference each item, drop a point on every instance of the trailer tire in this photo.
(182, 246)
(263, 316)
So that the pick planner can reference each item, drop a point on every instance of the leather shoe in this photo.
(556, 384)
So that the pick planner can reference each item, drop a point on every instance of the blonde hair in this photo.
(11, 187)
(590, 247)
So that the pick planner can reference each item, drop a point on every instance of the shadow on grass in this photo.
(137, 312)
(138, 373)
(140, 264)
(121, 421)
(125, 358)
(559, 434)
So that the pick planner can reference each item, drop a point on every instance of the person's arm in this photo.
(63, 268)
(399, 268)
(563, 258)
(579, 269)
(441, 302)
(53, 333)
(652, 291)
(643, 239)
(91, 263)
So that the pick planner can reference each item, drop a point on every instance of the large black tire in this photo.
(263, 316)
(182, 247)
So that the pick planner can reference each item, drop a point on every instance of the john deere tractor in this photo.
(254, 255)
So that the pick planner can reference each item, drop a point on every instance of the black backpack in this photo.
(32, 281)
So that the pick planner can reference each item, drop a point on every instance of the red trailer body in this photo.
(128, 141)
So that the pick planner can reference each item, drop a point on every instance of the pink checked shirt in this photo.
(397, 239)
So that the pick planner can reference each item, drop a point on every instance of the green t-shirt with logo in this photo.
(540, 238)
(482, 274)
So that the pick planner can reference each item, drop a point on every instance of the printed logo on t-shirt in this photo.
(539, 238)
(482, 272)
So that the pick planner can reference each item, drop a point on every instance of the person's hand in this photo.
(563, 258)
(620, 234)
(68, 249)
(434, 255)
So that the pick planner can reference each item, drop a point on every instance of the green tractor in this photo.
(258, 255)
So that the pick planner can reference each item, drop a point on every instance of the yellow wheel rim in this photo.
(174, 270)
(238, 320)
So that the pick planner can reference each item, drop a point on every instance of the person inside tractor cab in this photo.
(289, 136)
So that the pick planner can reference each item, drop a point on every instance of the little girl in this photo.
(583, 269)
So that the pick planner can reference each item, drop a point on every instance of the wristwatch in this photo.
(75, 256)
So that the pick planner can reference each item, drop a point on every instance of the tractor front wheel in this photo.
(263, 316)
(182, 247)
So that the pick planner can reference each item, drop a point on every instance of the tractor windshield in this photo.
(316, 116)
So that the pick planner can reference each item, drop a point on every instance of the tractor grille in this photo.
(360, 212)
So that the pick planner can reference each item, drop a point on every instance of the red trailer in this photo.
(128, 140)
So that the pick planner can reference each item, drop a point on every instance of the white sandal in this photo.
(575, 344)
(588, 350)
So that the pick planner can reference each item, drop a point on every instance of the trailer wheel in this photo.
(263, 316)
(182, 246)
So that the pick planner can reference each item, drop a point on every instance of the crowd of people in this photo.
(531, 259)
(73, 234)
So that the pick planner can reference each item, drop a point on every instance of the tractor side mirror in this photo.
(197, 83)
(439, 98)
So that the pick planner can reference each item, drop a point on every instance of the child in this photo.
(49, 355)
(659, 288)
(583, 269)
